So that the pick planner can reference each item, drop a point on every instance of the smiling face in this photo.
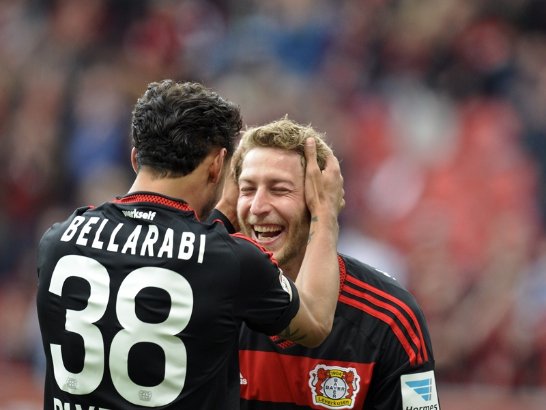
(271, 207)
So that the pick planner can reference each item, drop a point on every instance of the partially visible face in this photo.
(271, 206)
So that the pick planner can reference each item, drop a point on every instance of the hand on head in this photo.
(324, 191)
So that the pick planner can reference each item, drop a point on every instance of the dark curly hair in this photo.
(176, 124)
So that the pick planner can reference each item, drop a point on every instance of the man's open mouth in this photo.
(267, 233)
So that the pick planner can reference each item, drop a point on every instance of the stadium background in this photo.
(436, 108)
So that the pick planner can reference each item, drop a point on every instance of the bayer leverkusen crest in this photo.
(334, 387)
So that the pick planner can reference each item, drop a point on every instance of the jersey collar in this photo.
(154, 198)
(342, 271)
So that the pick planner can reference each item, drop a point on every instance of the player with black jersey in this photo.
(379, 353)
(140, 303)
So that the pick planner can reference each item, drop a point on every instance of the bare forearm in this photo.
(318, 279)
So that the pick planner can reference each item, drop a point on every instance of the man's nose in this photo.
(261, 202)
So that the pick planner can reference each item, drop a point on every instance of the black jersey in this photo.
(378, 355)
(140, 306)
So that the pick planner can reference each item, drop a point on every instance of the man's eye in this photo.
(246, 190)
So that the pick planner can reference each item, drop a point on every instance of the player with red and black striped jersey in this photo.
(140, 303)
(379, 353)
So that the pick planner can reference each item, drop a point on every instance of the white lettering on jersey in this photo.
(167, 246)
(131, 243)
(143, 240)
(82, 239)
(151, 238)
(201, 249)
(72, 228)
(96, 243)
(136, 214)
(186, 245)
(59, 405)
(112, 246)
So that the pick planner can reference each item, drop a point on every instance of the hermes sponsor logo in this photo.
(419, 391)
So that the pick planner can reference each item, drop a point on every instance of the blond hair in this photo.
(284, 134)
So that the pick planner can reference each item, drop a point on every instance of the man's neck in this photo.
(190, 188)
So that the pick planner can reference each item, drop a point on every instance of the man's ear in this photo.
(134, 161)
(216, 167)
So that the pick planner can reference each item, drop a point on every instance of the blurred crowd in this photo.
(437, 110)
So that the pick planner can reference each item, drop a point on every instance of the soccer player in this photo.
(378, 355)
(140, 303)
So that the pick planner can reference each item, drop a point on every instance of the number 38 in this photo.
(134, 331)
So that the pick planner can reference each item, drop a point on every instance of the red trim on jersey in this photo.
(280, 378)
(388, 320)
(281, 343)
(397, 313)
(395, 306)
(260, 247)
(342, 272)
(155, 199)
(399, 303)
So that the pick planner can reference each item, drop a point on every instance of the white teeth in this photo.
(266, 228)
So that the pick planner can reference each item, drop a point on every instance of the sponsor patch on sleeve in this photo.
(419, 391)
(285, 284)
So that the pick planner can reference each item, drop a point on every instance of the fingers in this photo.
(326, 187)
(312, 176)
(332, 171)
(311, 154)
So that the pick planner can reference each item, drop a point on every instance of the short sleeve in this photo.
(269, 300)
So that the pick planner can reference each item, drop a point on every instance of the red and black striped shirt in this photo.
(379, 335)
